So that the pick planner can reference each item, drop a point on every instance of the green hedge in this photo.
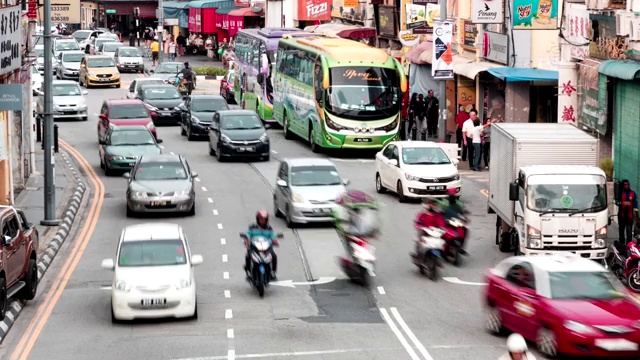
(209, 71)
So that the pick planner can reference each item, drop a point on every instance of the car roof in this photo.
(151, 231)
(89, 57)
(128, 47)
(309, 162)
(550, 263)
(416, 144)
(129, 128)
(65, 39)
(206, 96)
(113, 42)
(157, 86)
(112, 102)
(64, 82)
(172, 63)
(236, 112)
(161, 158)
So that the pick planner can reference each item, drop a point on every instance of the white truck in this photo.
(547, 191)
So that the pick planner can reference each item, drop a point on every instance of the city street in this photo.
(318, 314)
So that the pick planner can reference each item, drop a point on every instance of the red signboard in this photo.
(219, 21)
(235, 23)
(195, 20)
(314, 10)
(32, 12)
(209, 21)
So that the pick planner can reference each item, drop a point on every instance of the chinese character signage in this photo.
(605, 44)
(32, 12)
(442, 64)
(577, 30)
(63, 11)
(195, 20)
(535, 14)
(310, 10)
(593, 102)
(10, 39)
(487, 11)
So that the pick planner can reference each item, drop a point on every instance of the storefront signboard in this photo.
(387, 21)
(11, 39)
(419, 15)
(496, 47)
(408, 39)
(63, 11)
(593, 100)
(579, 30)
(469, 33)
(535, 14)
(442, 64)
(311, 10)
(487, 11)
(11, 97)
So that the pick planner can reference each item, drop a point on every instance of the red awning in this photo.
(246, 12)
(147, 10)
(363, 33)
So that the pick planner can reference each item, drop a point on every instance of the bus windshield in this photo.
(363, 93)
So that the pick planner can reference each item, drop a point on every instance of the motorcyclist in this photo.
(189, 76)
(517, 349)
(429, 216)
(452, 206)
(262, 224)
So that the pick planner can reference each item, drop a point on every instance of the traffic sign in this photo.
(110, 11)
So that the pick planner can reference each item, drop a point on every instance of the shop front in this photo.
(88, 14)
(121, 17)
(223, 23)
(178, 11)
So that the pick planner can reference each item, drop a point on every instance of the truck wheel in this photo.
(3, 298)
(515, 244)
(505, 242)
(30, 288)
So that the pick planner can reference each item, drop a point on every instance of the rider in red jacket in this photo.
(429, 216)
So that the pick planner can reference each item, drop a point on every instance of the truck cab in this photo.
(560, 208)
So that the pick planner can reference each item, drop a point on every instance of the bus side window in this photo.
(317, 71)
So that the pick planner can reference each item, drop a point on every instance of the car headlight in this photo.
(115, 157)
(183, 284)
(123, 286)
(264, 138)
(225, 139)
(139, 195)
(411, 177)
(533, 238)
(91, 74)
(579, 328)
(151, 107)
(297, 198)
(456, 177)
(601, 238)
(183, 193)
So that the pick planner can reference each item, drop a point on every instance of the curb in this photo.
(45, 260)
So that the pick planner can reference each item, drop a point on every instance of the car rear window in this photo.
(129, 111)
(208, 105)
(314, 176)
(152, 253)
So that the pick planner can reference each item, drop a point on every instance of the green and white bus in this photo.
(337, 93)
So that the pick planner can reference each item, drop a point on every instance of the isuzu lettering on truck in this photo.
(547, 191)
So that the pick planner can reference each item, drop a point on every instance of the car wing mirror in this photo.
(280, 236)
(393, 162)
(281, 183)
(159, 141)
(244, 236)
(108, 264)
(194, 174)
(345, 181)
(126, 175)
(196, 259)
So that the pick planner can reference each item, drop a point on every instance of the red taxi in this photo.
(563, 303)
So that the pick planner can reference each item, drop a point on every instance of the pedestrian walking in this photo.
(467, 135)
(421, 118)
(172, 50)
(627, 211)
(412, 116)
(155, 50)
(486, 144)
(181, 41)
(432, 112)
(461, 117)
(476, 140)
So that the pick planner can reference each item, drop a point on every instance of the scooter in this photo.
(428, 255)
(455, 237)
(624, 262)
(361, 262)
(260, 272)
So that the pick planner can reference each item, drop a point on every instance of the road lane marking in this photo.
(227, 294)
(49, 301)
(230, 334)
(224, 258)
(105, 288)
(455, 280)
(410, 333)
(172, 153)
(210, 200)
(274, 152)
(231, 355)
(381, 290)
(215, 212)
(220, 226)
(398, 334)
(198, 179)
(225, 275)
(228, 314)
(204, 188)
(223, 241)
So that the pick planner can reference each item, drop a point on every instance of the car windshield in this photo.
(160, 171)
(208, 105)
(232, 78)
(133, 111)
(100, 63)
(130, 53)
(73, 58)
(424, 156)
(39, 53)
(137, 137)
(314, 176)
(152, 253)
(582, 285)
(566, 193)
(66, 90)
(67, 45)
(240, 122)
(111, 47)
(363, 93)
(165, 93)
(169, 68)
(81, 35)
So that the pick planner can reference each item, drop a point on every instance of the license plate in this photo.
(248, 149)
(104, 80)
(131, 164)
(616, 344)
(165, 112)
(436, 187)
(158, 203)
(131, 66)
(153, 302)
(363, 140)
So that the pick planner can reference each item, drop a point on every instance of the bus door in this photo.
(318, 89)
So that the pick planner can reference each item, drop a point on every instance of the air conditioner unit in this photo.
(623, 27)
(634, 28)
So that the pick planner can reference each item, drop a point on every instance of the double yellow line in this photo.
(49, 301)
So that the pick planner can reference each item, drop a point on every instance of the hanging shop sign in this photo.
(311, 10)
(593, 99)
(487, 11)
(11, 97)
(442, 64)
(408, 39)
(63, 11)
(387, 21)
(577, 30)
(535, 14)
(10, 39)
(419, 15)
(605, 44)
(469, 33)
(496, 47)
(351, 3)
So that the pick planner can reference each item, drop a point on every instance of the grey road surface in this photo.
(402, 316)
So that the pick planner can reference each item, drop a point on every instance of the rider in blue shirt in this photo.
(261, 225)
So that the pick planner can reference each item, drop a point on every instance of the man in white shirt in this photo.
(467, 138)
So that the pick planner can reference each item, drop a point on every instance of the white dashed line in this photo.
(225, 275)
(215, 212)
(172, 153)
(210, 200)
(198, 179)
(228, 314)
(227, 294)
(220, 226)
(223, 241)
(381, 290)
(230, 334)
(161, 147)
(274, 152)
(204, 188)
(225, 258)
(231, 355)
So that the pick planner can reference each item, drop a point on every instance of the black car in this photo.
(238, 133)
(164, 103)
(197, 114)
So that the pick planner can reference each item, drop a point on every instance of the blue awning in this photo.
(512, 74)
(624, 70)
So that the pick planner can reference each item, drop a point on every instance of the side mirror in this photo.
(6, 239)
(194, 174)
(281, 183)
(267, 126)
(514, 191)
(151, 71)
(85, 92)
(159, 141)
(279, 236)
(455, 162)
(243, 236)
(345, 181)
(126, 175)
(196, 260)
(260, 79)
(393, 162)
(108, 264)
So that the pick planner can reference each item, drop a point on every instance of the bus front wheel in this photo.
(285, 127)
(312, 140)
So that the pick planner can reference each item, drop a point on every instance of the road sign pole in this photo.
(442, 122)
(160, 30)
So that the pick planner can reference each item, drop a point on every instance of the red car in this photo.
(227, 89)
(127, 112)
(563, 303)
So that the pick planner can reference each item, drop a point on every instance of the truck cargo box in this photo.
(514, 145)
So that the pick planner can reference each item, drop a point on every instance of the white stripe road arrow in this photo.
(291, 284)
(455, 280)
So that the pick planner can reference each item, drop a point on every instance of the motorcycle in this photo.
(624, 262)
(260, 272)
(180, 83)
(428, 255)
(361, 262)
(455, 237)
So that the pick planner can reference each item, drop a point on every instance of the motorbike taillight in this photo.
(358, 241)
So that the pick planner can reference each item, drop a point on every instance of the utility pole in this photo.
(49, 157)
(160, 30)
(442, 122)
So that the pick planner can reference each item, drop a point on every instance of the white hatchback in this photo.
(416, 169)
(153, 275)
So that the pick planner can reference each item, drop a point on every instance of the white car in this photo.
(36, 80)
(68, 100)
(416, 169)
(129, 58)
(153, 274)
(61, 45)
(109, 48)
(137, 83)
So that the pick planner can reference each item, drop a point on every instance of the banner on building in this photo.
(387, 21)
(11, 39)
(442, 64)
(535, 14)
(577, 30)
(63, 11)
(487, 11)
(592, 101)
(311, 10)
(419, 15)
(496, 47)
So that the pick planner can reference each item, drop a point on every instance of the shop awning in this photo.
(147, 10)
(245, 11)
(205, 4)
(342, 30)
(181, 5)
(512, 74)
(472, 69)
(624, 70)
(226, 10)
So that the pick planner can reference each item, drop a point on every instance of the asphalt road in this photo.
(402, 316)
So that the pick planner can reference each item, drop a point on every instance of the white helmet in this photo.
(516, 343)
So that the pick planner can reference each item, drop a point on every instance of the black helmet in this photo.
(186, 64)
